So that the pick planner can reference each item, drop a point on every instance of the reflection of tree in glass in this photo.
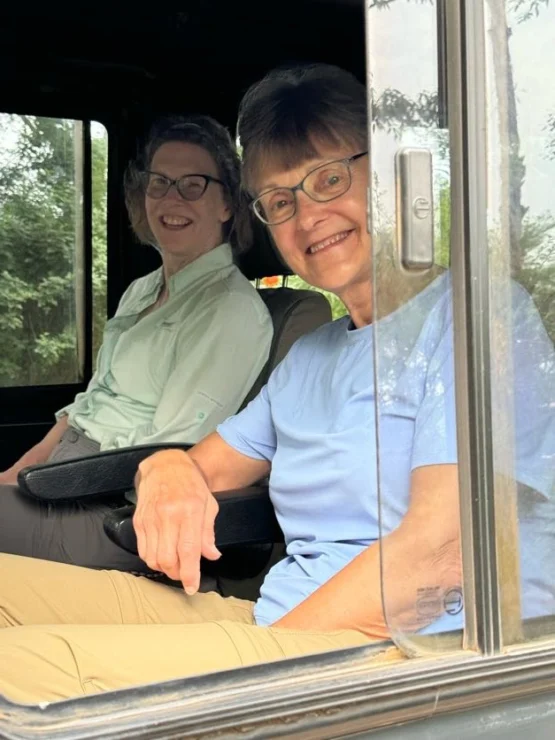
(532, 240)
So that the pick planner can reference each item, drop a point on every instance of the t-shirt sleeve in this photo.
(252, 431)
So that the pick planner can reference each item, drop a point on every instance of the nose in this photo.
(173, 194)
(309, 212)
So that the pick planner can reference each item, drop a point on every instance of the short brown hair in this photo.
(284, 114)
(195, 129)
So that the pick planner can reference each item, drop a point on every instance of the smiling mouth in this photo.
(175, 222)
(331, 241)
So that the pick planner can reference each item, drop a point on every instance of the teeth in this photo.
(175, 220)
(326, 242)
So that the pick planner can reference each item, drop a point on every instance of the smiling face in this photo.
(327, 244)
(184, 230)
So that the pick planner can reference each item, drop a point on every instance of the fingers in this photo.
(191, 541)
(174, 519)
(141, 535)
(167, 559)
(208, 546)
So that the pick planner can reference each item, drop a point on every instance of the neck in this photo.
(358, 300)
(172, 264)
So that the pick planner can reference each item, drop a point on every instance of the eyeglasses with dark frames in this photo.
(190, 187)
(325, 182)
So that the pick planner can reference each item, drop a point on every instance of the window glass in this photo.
(417, 502)
(521, 235)
(42, 282)
(413, 328)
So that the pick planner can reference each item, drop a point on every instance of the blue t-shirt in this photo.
(315, 421)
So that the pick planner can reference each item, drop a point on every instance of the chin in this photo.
(176, 250)
(331, 283)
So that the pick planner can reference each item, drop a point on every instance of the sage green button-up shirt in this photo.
(175, 374)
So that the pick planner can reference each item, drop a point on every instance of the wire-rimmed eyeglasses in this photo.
(323, 183)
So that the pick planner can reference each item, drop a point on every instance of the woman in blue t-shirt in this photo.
(312, 429)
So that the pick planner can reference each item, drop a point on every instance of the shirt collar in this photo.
(216, 259)
(147, 291)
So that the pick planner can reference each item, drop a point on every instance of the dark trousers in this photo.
(72, 531)
(68, 532)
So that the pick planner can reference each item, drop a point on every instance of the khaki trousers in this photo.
(69, 631)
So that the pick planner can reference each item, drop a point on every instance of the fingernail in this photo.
(190, 590)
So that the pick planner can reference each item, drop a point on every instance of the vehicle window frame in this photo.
(373, 686)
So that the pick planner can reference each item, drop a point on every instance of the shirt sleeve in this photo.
(252, 431)
(93, 382)
(217, 358)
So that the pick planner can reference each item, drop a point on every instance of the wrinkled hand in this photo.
(174, 518)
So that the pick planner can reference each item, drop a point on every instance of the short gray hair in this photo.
(285, 114)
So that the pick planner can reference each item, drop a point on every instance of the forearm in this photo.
(40, 452)
(221, 466)
(37, 454)
(353, 598)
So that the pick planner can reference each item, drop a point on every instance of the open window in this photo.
(53, 182)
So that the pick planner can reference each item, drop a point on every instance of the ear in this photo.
(225, 213)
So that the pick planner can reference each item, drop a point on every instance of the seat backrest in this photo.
(294, 313)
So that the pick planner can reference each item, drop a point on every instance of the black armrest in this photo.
(105, 473)
(246, 517)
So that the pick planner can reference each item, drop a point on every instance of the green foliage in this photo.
(337, 306)
(99, 152)
(442, 242)
(38, 227)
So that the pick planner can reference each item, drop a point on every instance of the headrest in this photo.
(262, 258)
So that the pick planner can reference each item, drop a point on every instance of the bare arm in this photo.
(423, 551)
(176, 510)
(37, 454)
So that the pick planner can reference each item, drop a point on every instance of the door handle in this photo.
(415, 207)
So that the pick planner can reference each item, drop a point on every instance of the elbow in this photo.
(445, 561)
